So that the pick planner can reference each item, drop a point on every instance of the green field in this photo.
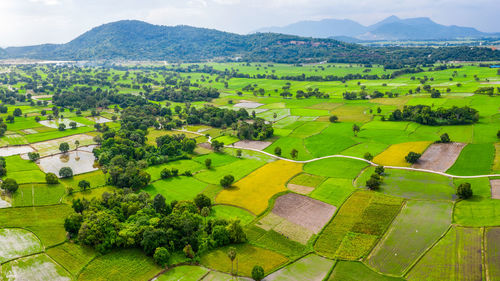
(422, 223)
(355, 271)
(311, 267)
(475, 159)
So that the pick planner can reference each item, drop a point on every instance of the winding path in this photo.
(344, 156)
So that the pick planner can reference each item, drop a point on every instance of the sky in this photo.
(29, 22)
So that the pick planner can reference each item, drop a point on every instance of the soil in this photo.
(259, 145)
(440, 157)
(495, 189)
(302, 189)
(304, 211)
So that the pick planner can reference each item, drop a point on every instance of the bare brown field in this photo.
(302, 189)
(495, 189)
(440, 156)
(259, 145)
(304, 211)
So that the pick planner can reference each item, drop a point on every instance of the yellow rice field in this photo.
(254, 191)
(396, 153)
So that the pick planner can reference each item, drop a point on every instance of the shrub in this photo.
(33, 156)
(226, 181)
(51, 178)
(165, 173)
(333, 118)
(374, 182)
(380, 170)
(201, 201)
(368, 156)
(445, 138)
(277, 150)
(65, 172)
(208, 163)
(257, 273)
(464, 191)
(161, 256)
(412, 157)
(64, 147)
(83, 184)
(10, 185)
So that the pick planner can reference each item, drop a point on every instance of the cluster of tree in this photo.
(412, 157)
(126, 219)
(423, 114)
(85, 98)
(376, 179)
(486, 91)
(184, 94)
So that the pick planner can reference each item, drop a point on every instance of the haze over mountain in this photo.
(391, 28)
(137, 40)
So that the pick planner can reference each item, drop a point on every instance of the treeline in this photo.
(423, 114)
(183, 94)
(126, 219)
(85, 98)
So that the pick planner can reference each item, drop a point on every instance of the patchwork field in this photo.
(457, 256)
(254, 191)
(422, 223)
(311, 267)
(475, 159)
(357, 226)
(356, 271)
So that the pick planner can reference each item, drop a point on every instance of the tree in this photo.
(73, 223)
(239, 153)
(380, 170)
(10, 118)
(226, 181)
(64, 147)
(412, 157)
(152, 239)
(61, 127)
(165, 173)
(257, 273)
(83, 184)
(275, 115)
(277, 151)
(51, 178)
(374, 182)
(498, 134)
(205, 212)
(333, 118)
(231, 254)
(188, 251)
(159, 204)
(445, 138)
(10, 185)
(72, 124)
(161, 256)
(208, 163)
(65, 172)
(294, 153)
(368, 156)
(355, 129)
(464, 191)
(236, 233)
(33, 156)
(217, 145)
(201, 201)
(17, 112)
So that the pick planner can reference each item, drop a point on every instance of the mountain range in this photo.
(133, 40)
(391, 28)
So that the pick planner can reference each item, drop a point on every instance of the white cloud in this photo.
(47, 2)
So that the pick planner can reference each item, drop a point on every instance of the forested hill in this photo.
(136, 40)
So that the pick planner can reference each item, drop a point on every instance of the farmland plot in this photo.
(34, 268)
(492, 245)
(80, 162)
(311, 267)
(17, 242)
(357, 271)
(360, 222)
(395, 154)
(184, 273)
(439, 156)
(422, 223)
(457, 256)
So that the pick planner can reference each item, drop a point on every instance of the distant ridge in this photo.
(391, 28)
(133, 40)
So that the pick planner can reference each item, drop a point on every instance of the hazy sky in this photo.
(26, 22)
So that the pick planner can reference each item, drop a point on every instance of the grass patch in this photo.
(181, 165)
(238, 169)
(274, 241)
(176, 188)
(218, 159)
(475, 159)
(335, 167)
(184, 273)
(230, 212)
(307, 180)
(46, 222)
(333, 191)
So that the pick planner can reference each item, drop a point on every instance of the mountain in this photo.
(391, 28)
(137, 40)
(140, 41)
(320, 29)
